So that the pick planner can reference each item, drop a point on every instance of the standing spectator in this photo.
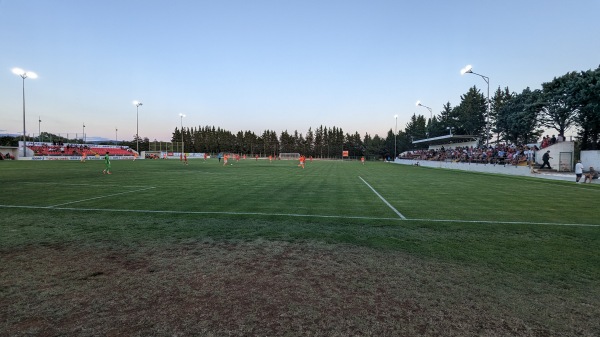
(546, 160)
(544, 142)
(553, 140)
(578, 171)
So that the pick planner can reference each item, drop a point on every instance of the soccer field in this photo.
(325, 189)
(259, 248)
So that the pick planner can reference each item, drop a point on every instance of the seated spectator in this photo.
(591, 174)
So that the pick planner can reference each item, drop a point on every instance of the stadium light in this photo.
(182, 147)
(24, 74)
(428, 108)
(395, 134)
(137, 125)
(468, 69)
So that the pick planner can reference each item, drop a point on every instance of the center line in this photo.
(380, 197)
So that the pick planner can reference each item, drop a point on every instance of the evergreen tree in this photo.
(470, 114)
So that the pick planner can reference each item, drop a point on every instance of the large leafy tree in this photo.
(588, 118)
(518, 118)
(560, 105)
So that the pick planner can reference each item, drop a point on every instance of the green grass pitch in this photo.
(530, 245)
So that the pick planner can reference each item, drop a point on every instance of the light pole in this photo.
(83, 134)
(182, 148)
(428, 108)
(395, 134)
(116, 136)
(469, 70)
(24, 74)
(137, 125)
(430, 113)
(40, 129)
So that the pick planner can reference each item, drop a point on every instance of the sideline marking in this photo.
(380, 197)
(100, 197)
(300, 216)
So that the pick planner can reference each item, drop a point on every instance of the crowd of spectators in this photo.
(502, 154)
(60, 149)
(547, 140)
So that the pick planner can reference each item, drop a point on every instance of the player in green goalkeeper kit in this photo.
(106, 164)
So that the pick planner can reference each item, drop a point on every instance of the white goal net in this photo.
(289, 156)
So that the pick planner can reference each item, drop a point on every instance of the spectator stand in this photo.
(9, 152)
(74, 151)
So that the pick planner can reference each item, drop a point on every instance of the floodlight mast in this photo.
(24, 74)
(137, 125)
(395, 134)
(182, 147)
(428, 108)
(468, 69)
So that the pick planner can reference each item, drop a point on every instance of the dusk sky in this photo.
(276, 65)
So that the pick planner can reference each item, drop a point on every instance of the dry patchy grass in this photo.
(264, 288)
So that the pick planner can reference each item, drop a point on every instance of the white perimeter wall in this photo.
(555, 151)
(590, 158)
(490, 168)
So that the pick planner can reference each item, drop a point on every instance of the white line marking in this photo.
(104, 196)
(300, 216)
(89, 185)
(380, 197)
(491, 222)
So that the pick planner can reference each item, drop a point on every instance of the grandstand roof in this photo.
(447, 139)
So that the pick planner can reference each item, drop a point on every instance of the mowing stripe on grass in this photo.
(101, 197)
(458, 221)
(380, 197)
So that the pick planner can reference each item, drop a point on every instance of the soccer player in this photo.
(270, 158)
(225, 158)
(302, 160)
(362, 160)
(106, 164)
(83, 157)
(135, 155)
(185, 158)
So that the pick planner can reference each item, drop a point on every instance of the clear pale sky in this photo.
(277, 65)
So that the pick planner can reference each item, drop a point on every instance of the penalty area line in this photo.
(383, 199)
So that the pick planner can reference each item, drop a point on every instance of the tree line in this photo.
(571, 100)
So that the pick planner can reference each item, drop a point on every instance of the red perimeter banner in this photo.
(344, 153)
